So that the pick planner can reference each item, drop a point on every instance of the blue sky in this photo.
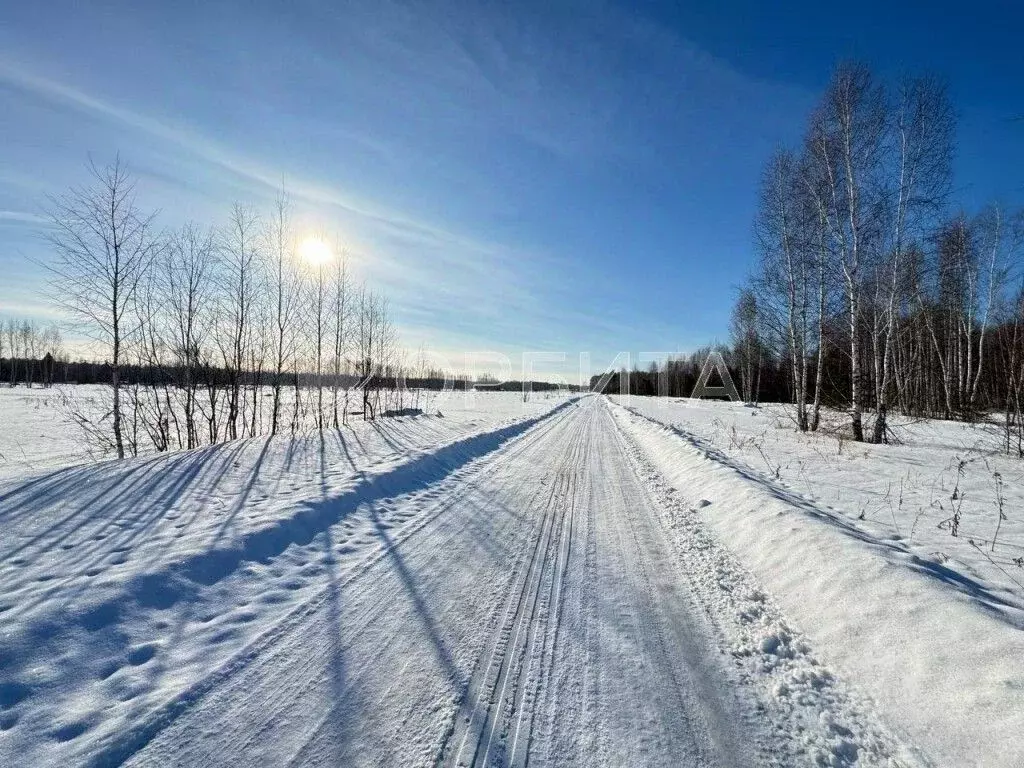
(545, 176)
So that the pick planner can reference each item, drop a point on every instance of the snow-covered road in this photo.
(528, 608)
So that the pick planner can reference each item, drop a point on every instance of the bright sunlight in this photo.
(315, 251)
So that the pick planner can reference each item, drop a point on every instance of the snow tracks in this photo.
(98, 660)
(525, 609)
(496, 717)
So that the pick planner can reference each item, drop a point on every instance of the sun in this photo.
(315, 251)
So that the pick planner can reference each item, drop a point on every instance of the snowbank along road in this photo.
(540, 597)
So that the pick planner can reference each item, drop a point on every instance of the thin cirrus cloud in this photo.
(22, 217)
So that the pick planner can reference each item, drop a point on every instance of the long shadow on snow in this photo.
(444, 656)
(977, 592)
(146, 480)
(165, 587)
(116, 523)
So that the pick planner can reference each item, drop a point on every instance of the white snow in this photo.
(123, 583)
(33, 433)
(933, 640)
(561, 581)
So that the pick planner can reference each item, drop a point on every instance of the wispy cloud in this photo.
(504, 176)
(22, 217)
(409, 253)
(312, 191)
(29, 309)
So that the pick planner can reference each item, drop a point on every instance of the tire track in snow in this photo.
(624, 687)
(533, 681)
(550, 590)
(511, 454)
(638, 534)
(549, 649)
(490, 703)
(290, 665)
(808, 715)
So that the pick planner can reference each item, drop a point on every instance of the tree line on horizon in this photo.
(873, 290)
(49, 364)
(677, 375)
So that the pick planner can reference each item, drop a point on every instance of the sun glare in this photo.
(315, 251)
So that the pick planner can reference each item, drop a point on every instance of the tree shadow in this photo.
(409, 582)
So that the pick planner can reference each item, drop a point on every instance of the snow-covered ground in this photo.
(558, 582)
(37, 431)
(851, 543)
(124, 583)
(905, 493)
(35, 435)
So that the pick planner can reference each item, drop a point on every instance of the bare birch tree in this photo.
(238, 254)
(189, 267)
(318, 303)
(846, 142)
(341, 309)
(747, 342)
(785, 274)
(102, 246)
(920, 138)
(282, 284)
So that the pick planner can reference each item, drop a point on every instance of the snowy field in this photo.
(123, 583)
(558, 582)
(37, 432)
(34, 435)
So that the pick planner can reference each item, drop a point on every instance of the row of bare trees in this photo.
(217, 320)
(870, 287)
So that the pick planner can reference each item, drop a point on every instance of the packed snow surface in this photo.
(561, 581)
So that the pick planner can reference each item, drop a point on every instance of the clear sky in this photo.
(546, 176)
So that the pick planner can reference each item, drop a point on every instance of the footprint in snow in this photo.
(70, 731)
(12, 693)
(141, 654)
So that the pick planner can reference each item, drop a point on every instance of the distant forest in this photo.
(676, 377)
(48, 370)
(158, 414)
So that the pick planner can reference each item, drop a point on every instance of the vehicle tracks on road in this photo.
(528, 611)
(496, 719)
